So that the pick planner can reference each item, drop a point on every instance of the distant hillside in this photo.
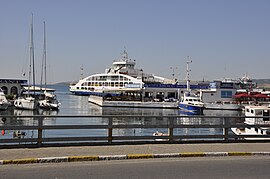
(262, 81)
(62, 84)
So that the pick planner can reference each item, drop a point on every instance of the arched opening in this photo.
(5, 89)
(14, 90)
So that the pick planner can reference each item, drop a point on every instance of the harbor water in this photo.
(79, 105)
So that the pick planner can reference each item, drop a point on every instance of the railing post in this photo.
(110, 130)
(225, 130)
(171, 129)
(40, 125)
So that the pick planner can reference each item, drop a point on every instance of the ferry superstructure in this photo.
(122, 75)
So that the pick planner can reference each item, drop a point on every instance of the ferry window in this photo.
(256, 129)
(96, 83)
(116, 84)
(100, 83)
(78, 88)
(114, 78)
(125, 84)
(112, 84)
(258, 112)
(252, 111)
(121, 84)
(125, 79)
(226, 94)
(102, 78)
(89, 84)
(121, 78)
(106, 84)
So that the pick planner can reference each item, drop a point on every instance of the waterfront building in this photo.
(12, 86)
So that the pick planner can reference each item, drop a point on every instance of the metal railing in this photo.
(110, 123)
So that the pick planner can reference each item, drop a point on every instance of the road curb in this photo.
(129, 156)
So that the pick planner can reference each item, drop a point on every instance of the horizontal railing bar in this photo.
(143, 126)
(123, 116)
(61, 139)
(18, 127)
(75, 127)
(18, 140)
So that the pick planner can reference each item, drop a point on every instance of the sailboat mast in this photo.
(45, 53)
(32, 54)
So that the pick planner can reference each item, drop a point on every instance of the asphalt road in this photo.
(204, 167)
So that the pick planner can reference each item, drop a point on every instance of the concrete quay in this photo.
(123, 152)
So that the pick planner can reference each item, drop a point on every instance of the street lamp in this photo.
(142, 74)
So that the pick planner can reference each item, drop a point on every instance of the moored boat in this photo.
(223, 105)
(255, 115)
(4, 103)
(50, 101)
(122, 75)
(191, 102)
(29, 102)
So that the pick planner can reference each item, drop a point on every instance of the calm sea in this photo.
(79, 105)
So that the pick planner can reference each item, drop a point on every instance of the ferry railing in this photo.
(110, 123)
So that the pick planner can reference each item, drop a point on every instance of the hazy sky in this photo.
(224, 38)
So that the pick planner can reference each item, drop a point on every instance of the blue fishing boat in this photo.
(191, 102)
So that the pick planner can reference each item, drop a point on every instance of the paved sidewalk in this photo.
(23, 153)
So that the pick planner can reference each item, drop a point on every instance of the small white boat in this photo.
(4, 104)
(26, 103)
(50, 102)
(157, 133)
(256, 112)
(223, 105)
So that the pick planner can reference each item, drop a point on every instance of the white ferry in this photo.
(255, 115)
(122, 75)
